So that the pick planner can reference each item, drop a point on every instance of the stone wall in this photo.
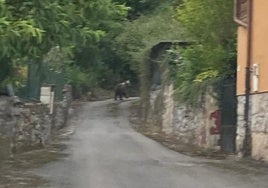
(168, 109)
(7, 119)
(32, 128)
(192, 126)
(154, 114)
(197, 126)
(61, 109)
(240, 132)
(28, 126)
(258, 121)
(7, 123)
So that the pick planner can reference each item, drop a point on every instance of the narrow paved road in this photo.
(105, 152)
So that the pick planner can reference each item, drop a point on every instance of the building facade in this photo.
(252, 78)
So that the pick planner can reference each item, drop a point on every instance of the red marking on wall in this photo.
(216, 116)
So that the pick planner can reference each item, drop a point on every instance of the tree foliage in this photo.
(148, 30)
(212, 55)
(34, 27)
(139, 7)
(30, 29)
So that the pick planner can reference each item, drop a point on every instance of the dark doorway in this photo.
(229, 115)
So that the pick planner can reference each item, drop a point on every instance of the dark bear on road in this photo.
(120, 90)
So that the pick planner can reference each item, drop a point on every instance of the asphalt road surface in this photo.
(105, 152)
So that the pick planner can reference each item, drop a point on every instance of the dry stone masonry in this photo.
(32, 128)
(190, 125)
(29, 126)
(7, 123)
(258, 122)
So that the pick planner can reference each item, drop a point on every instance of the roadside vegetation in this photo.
(31, 29)
(206, 26)
(100, 43)
(211, 57)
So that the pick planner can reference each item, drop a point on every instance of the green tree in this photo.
(141, 35)
(51, 23)
(139, 7)
(209, 26)
(30, 29)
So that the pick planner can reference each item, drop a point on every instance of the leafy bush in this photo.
(212, 55)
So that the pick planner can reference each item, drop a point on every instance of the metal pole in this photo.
(247, 140)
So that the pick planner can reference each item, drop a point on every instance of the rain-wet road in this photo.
(105, 152)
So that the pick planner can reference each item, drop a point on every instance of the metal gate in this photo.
(38, 74)
(228, 104)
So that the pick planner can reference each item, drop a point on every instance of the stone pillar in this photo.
(62, 109)
(241, 130)
(168, 109)
(7, 120)
(259, 120)
(7, 124)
